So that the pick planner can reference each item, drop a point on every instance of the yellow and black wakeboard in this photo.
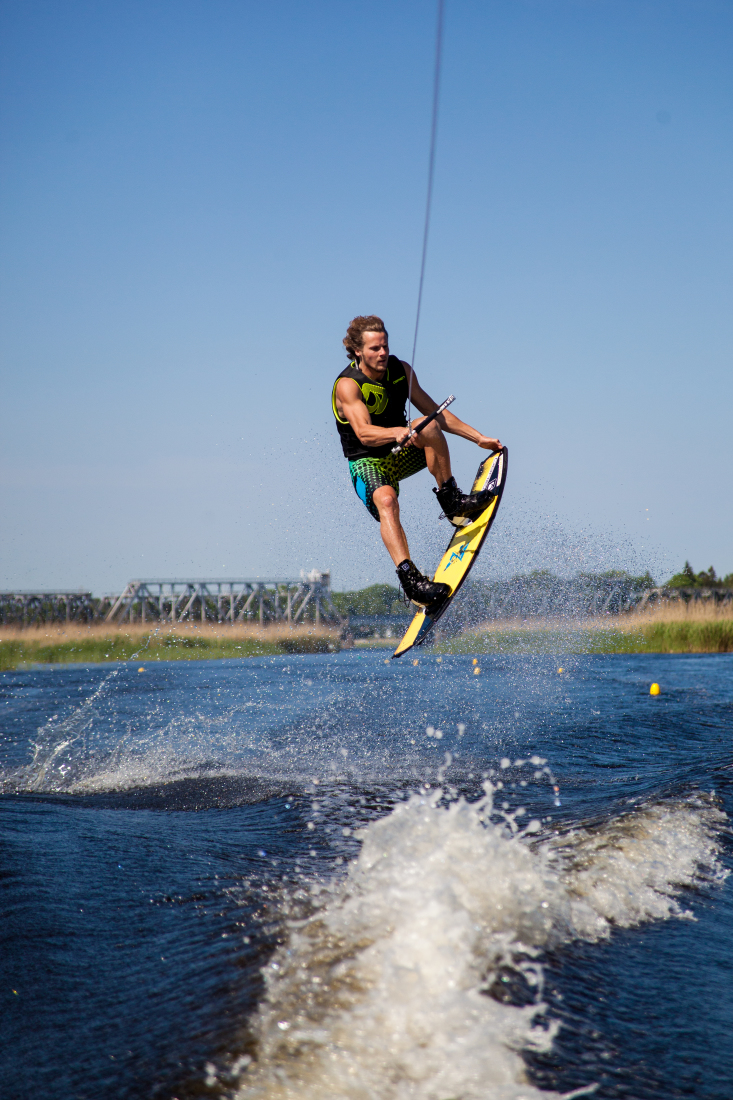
(463, 548)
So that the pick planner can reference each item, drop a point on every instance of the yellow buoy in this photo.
(654, 689)
(561, 670)
(141, 670)
(476, 671)
(475, 660)
(415, 661)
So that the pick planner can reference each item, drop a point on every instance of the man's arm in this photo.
(448, 422)
(355, 411)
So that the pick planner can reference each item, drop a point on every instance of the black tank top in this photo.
(385, 402)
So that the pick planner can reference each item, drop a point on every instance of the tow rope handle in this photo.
(423, 424)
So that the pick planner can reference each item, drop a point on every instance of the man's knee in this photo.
(431, 434)
(386, 501)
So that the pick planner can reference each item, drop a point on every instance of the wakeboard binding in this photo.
(460, 508)
(419, 589)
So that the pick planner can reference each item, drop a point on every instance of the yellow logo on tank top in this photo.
(375, 398)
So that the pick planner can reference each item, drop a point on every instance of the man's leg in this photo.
(421, 590)
(432, 441)
(457, 506)
(393, 536)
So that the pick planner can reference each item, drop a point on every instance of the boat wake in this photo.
(419, 975)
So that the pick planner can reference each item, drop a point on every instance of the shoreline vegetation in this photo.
(101, 643)
(662, 629)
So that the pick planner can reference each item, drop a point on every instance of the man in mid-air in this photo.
(368, 401)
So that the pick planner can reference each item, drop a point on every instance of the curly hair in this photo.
(354, 337)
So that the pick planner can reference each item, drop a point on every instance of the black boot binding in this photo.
(419, 589)
(458, 507)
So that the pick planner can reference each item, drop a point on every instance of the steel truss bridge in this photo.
(289, 602)
(223, 601)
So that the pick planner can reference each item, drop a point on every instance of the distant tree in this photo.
(378, 599)
(708, 578)
(685, 579)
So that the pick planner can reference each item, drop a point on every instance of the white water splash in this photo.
(381, 992)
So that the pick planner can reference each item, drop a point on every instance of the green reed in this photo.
(22, 651)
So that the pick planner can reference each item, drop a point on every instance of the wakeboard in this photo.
(463, 548)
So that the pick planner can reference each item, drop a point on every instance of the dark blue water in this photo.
(187, 911)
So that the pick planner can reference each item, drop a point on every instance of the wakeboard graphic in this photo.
(463, 548)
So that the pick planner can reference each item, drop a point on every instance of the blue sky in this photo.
(196, 198)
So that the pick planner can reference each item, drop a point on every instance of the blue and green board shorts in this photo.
(368, 474)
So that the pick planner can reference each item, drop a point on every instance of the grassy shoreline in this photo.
(654, 638)
(663, 631)
(100, 645)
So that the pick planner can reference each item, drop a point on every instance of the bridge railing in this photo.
(227, 601)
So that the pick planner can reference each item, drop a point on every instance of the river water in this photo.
(348, 878)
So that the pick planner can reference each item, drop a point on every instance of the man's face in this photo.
(374, 350)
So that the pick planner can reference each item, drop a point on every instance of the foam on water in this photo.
(387, 987)
(97, 749)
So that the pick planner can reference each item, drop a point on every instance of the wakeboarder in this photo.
(368, 401)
